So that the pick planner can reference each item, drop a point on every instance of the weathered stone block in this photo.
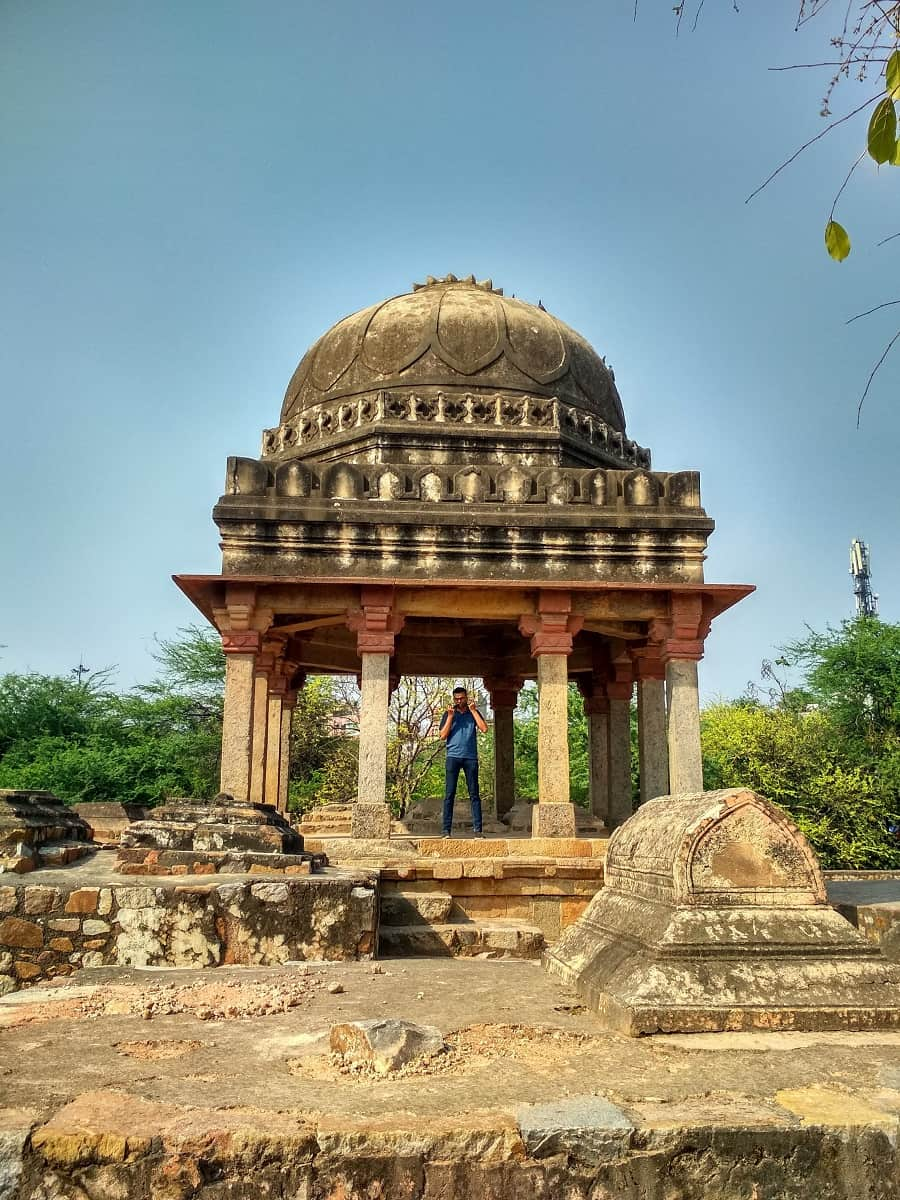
(93, 928)
(8, 899)
(24, 935)
(65, 924)
(384, 1044)
(553, 821)
(26, 970)
(84, 900)
(41, 900)
(587, 1129)
(62, 945)
(370, 821)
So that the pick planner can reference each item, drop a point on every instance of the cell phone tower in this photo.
(866, 599)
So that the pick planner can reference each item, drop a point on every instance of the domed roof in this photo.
(454, 334)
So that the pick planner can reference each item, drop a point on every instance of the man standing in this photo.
(458, 729)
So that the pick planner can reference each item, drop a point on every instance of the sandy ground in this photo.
(259, 1037)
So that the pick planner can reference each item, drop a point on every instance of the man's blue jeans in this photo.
(469, 766)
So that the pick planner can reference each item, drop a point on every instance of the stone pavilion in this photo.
(450, 490)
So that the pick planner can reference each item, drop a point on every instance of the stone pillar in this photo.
(685, 755)
(596, 708)
(652, 728)
(552, 631)
(240, 649)
(375, 625)
(373, 722)
(263, 669)
(288, 702)
(277, 691)
(504, 697)
(619, 689)
(681, 639)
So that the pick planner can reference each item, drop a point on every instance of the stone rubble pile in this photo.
(38, 830)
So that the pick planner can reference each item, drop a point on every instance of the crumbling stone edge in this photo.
(585, 1148)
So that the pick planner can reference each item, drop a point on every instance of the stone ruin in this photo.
(39, 830)
(714, 917)
(186, 836)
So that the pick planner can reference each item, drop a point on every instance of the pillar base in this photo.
(553, 820)
(370, 821)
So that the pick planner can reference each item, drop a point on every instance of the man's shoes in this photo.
(478, 834)
(445, 837)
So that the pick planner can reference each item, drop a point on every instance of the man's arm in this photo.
(444, 731)
(480, 723)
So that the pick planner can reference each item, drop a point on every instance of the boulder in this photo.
(384, 1044)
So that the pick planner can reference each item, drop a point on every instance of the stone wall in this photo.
(50, 931)
(548, 895)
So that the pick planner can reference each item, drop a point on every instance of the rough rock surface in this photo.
(384, 1044)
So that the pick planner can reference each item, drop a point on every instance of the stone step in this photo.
(464, 939)
(60, 854)
(416, 908)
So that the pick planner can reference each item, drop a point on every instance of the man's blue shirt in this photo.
(461, 739)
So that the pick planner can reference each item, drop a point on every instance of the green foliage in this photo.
(527, 743)
(837, 241)
(797, 760)
(83, 741)
(828, 752)
(881, 140)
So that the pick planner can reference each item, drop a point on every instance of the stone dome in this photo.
(454, 335)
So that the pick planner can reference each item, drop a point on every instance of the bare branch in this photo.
(888, 348)
(806, 145)
(869, 311)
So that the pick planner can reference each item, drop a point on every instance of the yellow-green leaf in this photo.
(837, 241)
(892, 76)
(895, 161)
(882, 138)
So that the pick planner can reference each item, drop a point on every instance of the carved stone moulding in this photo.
(450, 412)
(463, 483)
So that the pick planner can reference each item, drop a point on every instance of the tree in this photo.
(827, 751)
(863, 48)
(83, 741)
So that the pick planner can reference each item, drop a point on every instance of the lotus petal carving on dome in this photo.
(448, 333)
(343, 342)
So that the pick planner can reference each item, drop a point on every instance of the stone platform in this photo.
(131, 1089)
(528, 884)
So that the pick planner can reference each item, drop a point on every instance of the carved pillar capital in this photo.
(242, 641)
(593, 692)
(375, 622)
(621, 682)
(553, 627)
(648, 662)
(681, 635)
(504, 693)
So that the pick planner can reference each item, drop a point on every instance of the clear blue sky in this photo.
(193, 192)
